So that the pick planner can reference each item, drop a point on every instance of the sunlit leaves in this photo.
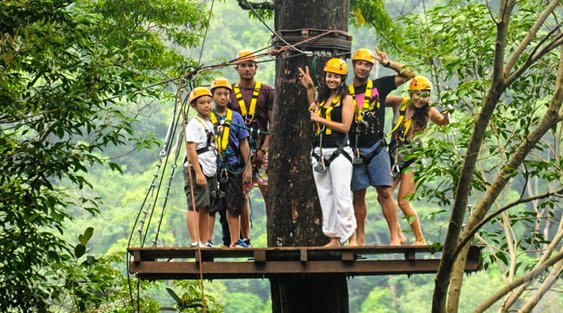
(71, 74)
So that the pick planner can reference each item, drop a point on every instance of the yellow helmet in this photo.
(198, 92)
(245, 55)
(336, 66)
(364, 55)
(420, 83)
(221, 82)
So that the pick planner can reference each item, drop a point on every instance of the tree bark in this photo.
(294, 218)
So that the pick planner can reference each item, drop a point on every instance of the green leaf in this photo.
(79, 250)
(174, 296)
(86, 236)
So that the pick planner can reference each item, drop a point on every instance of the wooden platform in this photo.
(184, 263)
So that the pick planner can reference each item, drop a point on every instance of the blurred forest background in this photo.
(100, 219)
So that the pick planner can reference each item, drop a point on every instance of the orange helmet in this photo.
(420, 83)
(336, 66)
(221, 82)
(245, 55)
(198, 92)
(364, 55)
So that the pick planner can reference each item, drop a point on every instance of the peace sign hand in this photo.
(381, 56)
(305, 78)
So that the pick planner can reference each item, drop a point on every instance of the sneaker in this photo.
(246, 242)
(240, 244)
(209, 244)
(198, 245)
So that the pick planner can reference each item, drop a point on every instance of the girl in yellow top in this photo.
(414, 113)
(331, 154)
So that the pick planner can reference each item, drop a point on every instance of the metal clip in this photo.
(320, 168)
(395, 170)
(357, 158)
(223, 176)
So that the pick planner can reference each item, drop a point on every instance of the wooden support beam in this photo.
(183, 262)
(303, 255)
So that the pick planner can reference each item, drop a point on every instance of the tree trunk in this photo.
(294, 218)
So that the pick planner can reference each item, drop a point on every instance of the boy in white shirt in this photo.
(202, 162)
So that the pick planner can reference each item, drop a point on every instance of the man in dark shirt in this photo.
(255, 102)
(371, 163)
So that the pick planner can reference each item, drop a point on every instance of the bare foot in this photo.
(395, 243)
(419, 242)
(352, 242)
(360, 241)
(402, 238)
(333, 243)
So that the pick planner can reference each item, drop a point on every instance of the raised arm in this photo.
(307, 82)
(404, 73)
(438, 118)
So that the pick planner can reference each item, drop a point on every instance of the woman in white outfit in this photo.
(331, 154)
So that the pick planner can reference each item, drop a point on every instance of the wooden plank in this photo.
(187, 252)
(190, 270)
(348, 256)
(259, 256)
(303, 255)
(137, 256)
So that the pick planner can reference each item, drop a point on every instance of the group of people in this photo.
(349, 153)
(227, 154)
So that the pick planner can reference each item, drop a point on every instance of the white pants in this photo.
(333, 189)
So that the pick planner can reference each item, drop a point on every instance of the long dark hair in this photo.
(324, 92)
(420, 116)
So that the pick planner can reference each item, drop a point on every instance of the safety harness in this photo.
(367, 105)
(360, 111)
(399, 135)
(225, 123)
(248, 114)
(210, 137)
(223, 126)
(324, 163)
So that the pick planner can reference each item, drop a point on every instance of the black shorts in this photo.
(233, 199)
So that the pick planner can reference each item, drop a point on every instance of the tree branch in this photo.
(463, 188)
(530, 35)
(535, 273)
(245, 5)
(540, 292)
(511, 299)
(548, 120)
(466, 238)
(535, 56)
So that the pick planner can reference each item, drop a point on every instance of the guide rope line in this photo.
(173, 167)
(190, 177)
(205, 34)
(272, 31)
(150, 193)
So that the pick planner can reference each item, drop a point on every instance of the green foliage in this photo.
(378, 301)
(70, 72)
(191, 299)
(373, 13)
(243, 302)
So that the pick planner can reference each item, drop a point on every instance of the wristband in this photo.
(388, 63)
(263, 151)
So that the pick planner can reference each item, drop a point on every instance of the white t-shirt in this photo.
(196, 133)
